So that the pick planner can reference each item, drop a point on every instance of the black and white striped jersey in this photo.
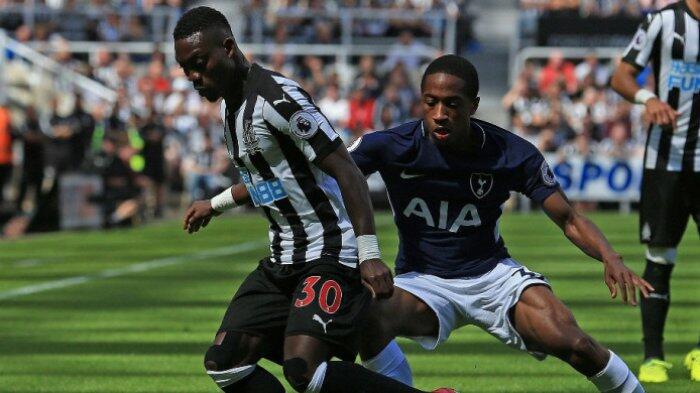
(670, 39)
(274, 139)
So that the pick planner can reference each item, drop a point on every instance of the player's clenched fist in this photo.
(377, 277)
(198, 216)
(661, 113)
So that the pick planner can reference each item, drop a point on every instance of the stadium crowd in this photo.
(255, 21)
(597, 8)
(159, 143)
(567, 106)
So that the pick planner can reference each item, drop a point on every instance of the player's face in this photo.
(207, 62)
(447, 110)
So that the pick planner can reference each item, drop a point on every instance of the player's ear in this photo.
(230, 47)
(475, 106)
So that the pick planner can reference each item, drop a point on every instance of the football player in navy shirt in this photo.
(448, 177)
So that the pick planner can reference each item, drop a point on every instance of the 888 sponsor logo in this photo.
(264, 192)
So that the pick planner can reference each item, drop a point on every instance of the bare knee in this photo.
(571, 343)
(298, 373)
(232, 350)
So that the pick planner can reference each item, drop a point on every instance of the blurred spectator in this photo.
(109, 28)
(361, 112)
(367, 77)
(399, 79)
(5, 150)
(590, 71)
(204, 170)
(153, 134)
(336, 108)
(122, 193)
(558, 70)
(388, 109)
(33, 140)
(64, 139)
(102, 69)
(407, 51)
(278, 63)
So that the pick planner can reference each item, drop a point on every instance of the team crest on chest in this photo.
(481, 184)
(250, 140)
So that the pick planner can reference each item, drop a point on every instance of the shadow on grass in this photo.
(24, 347)
(495, 348)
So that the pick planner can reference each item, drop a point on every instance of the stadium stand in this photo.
(101, 112)
(93, 90)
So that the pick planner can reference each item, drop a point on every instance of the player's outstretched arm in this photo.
(200, 213)
(586, 236)
(624, 82)
(375, 274)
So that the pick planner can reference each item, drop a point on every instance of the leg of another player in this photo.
(307, 369)
(232, 363)
(548, 326)
(660, 262)
(403, 314)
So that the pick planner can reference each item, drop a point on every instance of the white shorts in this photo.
(484, 301)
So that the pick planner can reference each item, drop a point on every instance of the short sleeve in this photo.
(289, 110)
(640, 49)
(540, 182)
(367, 153)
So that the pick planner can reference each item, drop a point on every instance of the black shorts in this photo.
(321, 298)
(668, 199)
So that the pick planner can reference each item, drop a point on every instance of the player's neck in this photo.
(234, 98)
(468, 144)
(694, 7)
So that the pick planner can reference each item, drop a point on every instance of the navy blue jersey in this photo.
(446, 206)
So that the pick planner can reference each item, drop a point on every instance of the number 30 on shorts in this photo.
(310, 294)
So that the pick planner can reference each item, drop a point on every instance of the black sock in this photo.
(259, 381)
(346, 377)
(655, 308)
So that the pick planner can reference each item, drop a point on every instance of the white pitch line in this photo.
(134, 268)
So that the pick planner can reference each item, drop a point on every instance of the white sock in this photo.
(392, 363)
(317, 379)
(616, 377)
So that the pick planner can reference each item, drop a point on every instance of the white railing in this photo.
(543, 52)
(443, 22)
(340, 51)
(160, 19)
(53, 67)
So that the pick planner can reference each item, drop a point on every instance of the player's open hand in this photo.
(198, 216)
(620, 277)
(377, 277)
(661, 113)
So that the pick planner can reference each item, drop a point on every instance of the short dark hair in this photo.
(200, 19)
(459, 67)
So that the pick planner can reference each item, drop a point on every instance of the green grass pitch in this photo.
(135, 310)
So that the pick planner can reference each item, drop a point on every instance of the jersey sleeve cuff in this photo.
(541, 194)
(633, 63)
(327, 149)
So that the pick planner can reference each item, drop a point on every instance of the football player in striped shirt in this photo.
(304, 303)
(670, 40)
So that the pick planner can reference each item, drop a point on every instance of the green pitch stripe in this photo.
(134, 268)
